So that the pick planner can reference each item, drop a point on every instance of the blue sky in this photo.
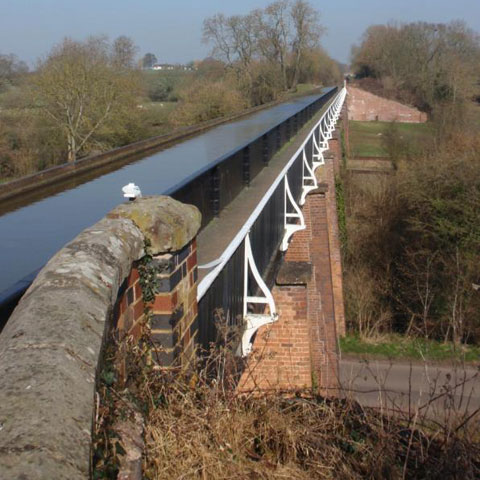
(172, 28)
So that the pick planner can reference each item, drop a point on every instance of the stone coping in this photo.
(51, 346)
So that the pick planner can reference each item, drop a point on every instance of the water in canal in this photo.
(30, 234)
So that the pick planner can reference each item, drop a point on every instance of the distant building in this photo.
(163, 66)
(170, 66)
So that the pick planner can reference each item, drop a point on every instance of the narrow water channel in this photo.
(31, 233)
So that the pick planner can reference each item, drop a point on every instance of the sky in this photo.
(172, 29)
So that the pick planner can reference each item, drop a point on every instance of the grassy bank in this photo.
(366, 137)
(400, 347)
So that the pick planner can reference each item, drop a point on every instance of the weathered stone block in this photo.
(49, 351)
(167, 224)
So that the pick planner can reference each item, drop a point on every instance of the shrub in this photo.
(202, 101)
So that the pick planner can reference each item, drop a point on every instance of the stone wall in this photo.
(365, 106)
(51, 345)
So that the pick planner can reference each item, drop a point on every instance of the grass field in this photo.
(401, 347)
(366, 137)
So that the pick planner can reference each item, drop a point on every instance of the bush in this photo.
(204, 101)
(440, 244)
(414, 245)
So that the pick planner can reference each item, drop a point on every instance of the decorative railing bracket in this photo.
(291, 228)
(309, 181)
(254, 321)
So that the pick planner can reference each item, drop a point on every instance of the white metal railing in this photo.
(323, 129)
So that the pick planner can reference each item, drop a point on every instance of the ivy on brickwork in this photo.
(123, 391)
(342, 218)
(147, 271)
(344, 148)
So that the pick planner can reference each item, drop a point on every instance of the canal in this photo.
(33, 229)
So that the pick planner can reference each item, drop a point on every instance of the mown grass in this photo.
(400, 347)
(366, 137)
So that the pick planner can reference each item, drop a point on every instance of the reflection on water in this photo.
(31, 234)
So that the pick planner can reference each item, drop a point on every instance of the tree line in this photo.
(91, 96)
(272, 49)
(427, 64)
(412, 243)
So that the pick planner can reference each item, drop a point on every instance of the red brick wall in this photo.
(365, 106)
(129, 309)
(281, 355)
(173, 312)
(311, 245)
(277, 362)
(324, 322)
(326, 174)
(345, 127)
(335, 148)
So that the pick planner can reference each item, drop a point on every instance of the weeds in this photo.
(197, 425)
(214, 433)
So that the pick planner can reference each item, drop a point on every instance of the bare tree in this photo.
(267, 47)
(10, 69)
(307, 32)
(217, 31)
(124, 51)
(234, 42)
(273, 30)
(80, 89)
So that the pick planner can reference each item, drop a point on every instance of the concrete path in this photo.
(434, 389)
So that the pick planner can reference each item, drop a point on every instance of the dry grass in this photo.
(211, 434)
(202, 428)
(197, 426)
